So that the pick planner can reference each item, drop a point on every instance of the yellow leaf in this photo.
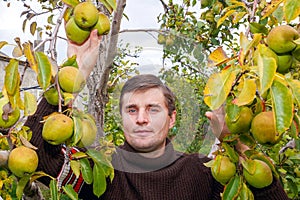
(29, 55)
(217, 57)
(30, 104)
(3, 43)
(247, 93)
(270, 8)
(223, 18)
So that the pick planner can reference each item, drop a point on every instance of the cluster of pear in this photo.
(79, 129)
(259, 175)
(165, 39)
(261, 126)
(84, 18)
(281, 39)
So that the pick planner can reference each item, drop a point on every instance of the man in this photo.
(146, 166)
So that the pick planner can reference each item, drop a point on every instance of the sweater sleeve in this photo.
(50, 156)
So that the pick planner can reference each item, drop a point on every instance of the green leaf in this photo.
(86, 170)
(232, 154)
(12, 77)
(258, 28)
(282, 105)
(53, 190)
(97, 157)
(71, 61)
(218, 87)
(44, 70)
(29, 103)
(291, 9)
(109, 4)
(99, 185)
(295, 87)
(21, 185)
(245, 193)
(68, 189)
(231, 190)
(224, 17)
(249, 165)
(77, 135)
(266, 69)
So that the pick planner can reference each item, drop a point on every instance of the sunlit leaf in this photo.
(282, 105)
(12, 77)
(217, 57)
(291, 9)
(30, 102)
(75, 166)
(247, 94)
(218, 87)
(232, 154)
(231, 190)
(224, 17)
(44, 70)
(99, 184)
(86, 170)
(71, 61)
(110, 5)
(30, 57)
(266, 69)
(238, 16)
(50, 20)
(71, 3)
(295, 86)
(69, 190)
(271, 7)
(249, 165)
(33, 28)
(3, 43)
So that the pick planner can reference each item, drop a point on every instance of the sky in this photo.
(141, 16)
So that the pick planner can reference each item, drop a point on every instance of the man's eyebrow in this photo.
(130, 106)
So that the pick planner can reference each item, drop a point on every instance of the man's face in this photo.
(145, 119)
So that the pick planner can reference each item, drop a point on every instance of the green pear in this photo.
(285, 61)
(85, 14)
(281, 39)
(75, 33)
(102, 25)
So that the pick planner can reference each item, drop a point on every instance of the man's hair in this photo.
(145, 82)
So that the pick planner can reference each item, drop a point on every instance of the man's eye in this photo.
(131, 110)
(153, 110)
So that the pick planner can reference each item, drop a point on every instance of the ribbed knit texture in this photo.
(50, 157)
(183, 178)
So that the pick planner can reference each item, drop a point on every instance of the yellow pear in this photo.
(242, 123)
(75, 33)
(103, 24)
(223, 169)
(22, 160)
(57, 128)
(85, 14)
(71, 79)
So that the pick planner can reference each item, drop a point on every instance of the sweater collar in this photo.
(129, 160)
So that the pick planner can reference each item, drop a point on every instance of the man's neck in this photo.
(154, 154)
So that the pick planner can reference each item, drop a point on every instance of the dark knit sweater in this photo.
(172, 176)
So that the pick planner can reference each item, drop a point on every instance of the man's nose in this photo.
(142, 117)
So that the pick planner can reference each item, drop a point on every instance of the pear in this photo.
(103, 24)
(75, 33)
(285, 61)
(70, 79)
(281, 39)
(85, 14)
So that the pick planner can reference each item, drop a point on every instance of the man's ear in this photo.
(172, 119)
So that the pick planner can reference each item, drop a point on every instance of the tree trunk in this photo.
(97, 83)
